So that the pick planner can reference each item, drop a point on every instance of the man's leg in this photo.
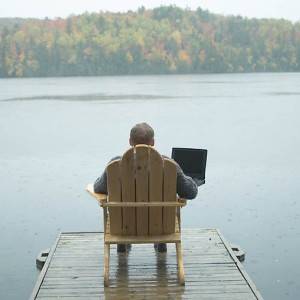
(121, 248)
(161, 247)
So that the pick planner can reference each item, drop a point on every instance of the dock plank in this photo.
(74, 270)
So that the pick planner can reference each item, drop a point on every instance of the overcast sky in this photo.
(288, 9)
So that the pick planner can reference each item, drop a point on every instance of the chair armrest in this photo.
(143, 204)
(101, 198)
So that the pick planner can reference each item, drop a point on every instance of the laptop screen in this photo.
(192, 161)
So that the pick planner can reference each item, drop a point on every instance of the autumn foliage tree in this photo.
(165, 40)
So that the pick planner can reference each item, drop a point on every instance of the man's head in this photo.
(141, 133)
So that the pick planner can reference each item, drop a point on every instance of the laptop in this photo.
(192, 162)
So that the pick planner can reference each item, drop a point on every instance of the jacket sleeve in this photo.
(186, 186)
(100, 185)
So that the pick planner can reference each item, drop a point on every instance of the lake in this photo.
(57, 134)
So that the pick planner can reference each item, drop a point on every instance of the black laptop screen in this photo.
(192, 161)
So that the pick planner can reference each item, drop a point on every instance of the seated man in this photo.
(142, 133)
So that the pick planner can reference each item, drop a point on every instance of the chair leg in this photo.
(106, 264)
(180, 264)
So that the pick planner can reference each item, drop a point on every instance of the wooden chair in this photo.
(142, 205)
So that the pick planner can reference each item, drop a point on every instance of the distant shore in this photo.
(163, 40)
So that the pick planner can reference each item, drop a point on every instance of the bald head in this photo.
(141, 133)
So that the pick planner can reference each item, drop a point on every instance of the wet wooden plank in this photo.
(75, 270)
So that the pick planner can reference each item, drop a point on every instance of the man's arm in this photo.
(100, 185)
(186, 186)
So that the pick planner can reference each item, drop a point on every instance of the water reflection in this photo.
(161, 268)
(119, 279)
(143, 273)
(122, 277)
(165, 278)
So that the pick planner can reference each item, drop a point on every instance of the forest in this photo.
(163, 40)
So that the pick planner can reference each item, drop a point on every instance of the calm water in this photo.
(57, 134)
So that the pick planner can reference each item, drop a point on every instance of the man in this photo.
(143, 133)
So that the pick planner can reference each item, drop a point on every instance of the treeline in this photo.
(167, 39)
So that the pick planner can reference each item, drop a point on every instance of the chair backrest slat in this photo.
(128, 191)
(142, 189)
(170, 179)
(114, 192)
(155, 192)
(142, 175)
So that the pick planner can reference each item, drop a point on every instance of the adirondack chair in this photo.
(142, 205)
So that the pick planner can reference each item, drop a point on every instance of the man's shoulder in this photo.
(116, 158)
(178, 168)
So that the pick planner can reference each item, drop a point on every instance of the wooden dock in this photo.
(74, 270)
